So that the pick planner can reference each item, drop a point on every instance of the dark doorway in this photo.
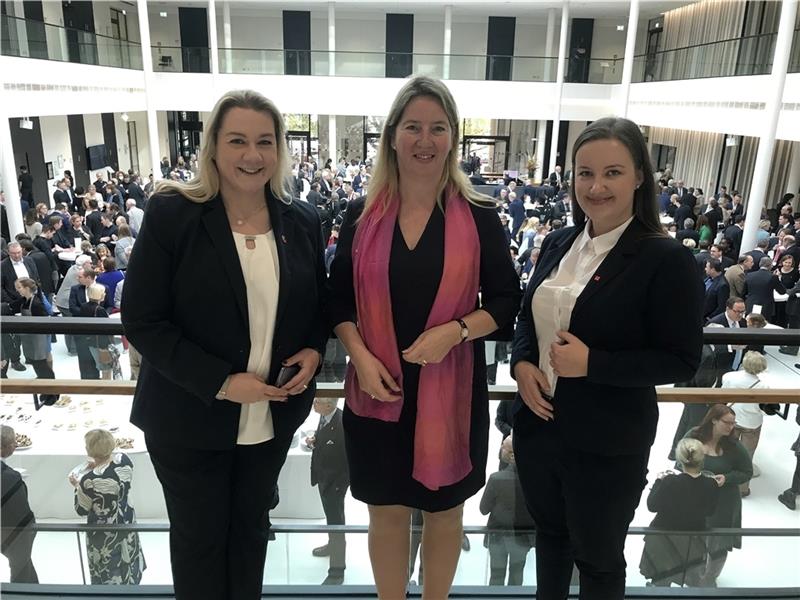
(27, 147)
(183, 134)
(491, 149)
(299, 144)
(81, 41)
(77, 142)
(580, 50)
(500, 48)
(193, 24)
(110, 139)
(34, 27)
(297, 42)
(399, 45)
(652, 62)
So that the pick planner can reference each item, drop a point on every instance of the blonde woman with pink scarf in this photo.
(404, 286)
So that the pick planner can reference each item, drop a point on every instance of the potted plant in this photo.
(532, 166)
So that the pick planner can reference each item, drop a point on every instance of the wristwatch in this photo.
(464, 330)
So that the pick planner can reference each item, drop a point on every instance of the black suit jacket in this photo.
(45, 269)
(329, 458)
(62, 196)
(9, 277)
(683, 212)
(77, 298)
(734, 233)
(759, 288)
(757, 256)
(16, 513)
(715, 297)
(93, 224)
(724, 357)
(184, 308)
(691, 234)
(640, 316)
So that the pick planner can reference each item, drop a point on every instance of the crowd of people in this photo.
(392, 256)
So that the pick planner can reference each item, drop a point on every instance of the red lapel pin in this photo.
(597, 277)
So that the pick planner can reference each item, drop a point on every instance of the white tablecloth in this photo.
(56, 451)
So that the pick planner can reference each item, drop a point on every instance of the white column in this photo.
(448, 37)
(548, 44)
(149, 86)
(332, 42)
(332, 153)
(227, 37)
(562, 56)
(766, 144)
(627, 64)
(10, 186)
(541, 133)
(212, 37)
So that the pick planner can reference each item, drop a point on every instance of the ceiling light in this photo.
(620, 27)
(124, 12)
(124, 117)
(163, 14)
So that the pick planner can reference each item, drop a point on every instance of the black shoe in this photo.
(788, 499)
(333, 580)
(321, 551)
(18, 366)
(788, 350)
(465, 543)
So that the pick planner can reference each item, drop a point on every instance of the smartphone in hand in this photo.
(285, 374)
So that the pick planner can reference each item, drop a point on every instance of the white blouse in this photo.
(748, 415)
(261, 277)
(555, 298)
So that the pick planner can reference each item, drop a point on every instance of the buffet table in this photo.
(57, 447)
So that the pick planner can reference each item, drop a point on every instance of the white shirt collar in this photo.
(602, 244)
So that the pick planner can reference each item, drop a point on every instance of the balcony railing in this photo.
(27, 38)
(56, 436)
(751, 55)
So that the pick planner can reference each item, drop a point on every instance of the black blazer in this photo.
(16, 512)
(8, 277)
(759, 288)
(329, 458)
(184, 307)
(640, 315)
(716, 297)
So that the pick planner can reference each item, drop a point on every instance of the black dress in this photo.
(381, 454)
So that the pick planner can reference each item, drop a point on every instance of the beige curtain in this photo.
(700, 23)
(697, 155)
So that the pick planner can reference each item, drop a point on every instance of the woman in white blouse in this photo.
(749, 416)
(612, 310)
(244, 266)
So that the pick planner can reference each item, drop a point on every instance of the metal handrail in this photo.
(703, 44)
(65, 28)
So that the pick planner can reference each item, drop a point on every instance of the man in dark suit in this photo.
(330, 473)
(516, 208)
(683, 212)
(12, 268)
(759, 288)
(25, 181)
(717, 252)
(60, 196)
(737, 207)
(717, 290)
(728, 358)
(504, 502)
(314, 197)
(791, 249)
(555, 177)
(733, 233)
(17, 518)
(92, 219)
(48, 274)
(714, 215)
(77, 298)
(688, 231)
(99, 184)
(136, 192)
(758, 253)
(684, 195)
(702, 257)
(561, 209)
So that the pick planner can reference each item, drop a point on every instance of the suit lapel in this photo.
(219, 231)
(614, 263)
(283, 225)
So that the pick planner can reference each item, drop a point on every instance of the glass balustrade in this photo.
(51, 445)
(34, 39)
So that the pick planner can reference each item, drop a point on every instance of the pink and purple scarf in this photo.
(444, 397)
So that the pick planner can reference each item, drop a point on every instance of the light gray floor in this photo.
(762, 562)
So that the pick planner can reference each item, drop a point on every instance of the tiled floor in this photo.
(762, 562)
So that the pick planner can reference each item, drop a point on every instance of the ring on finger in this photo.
(305, 387)
(424, 363)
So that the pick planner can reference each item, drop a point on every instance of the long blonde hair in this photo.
(385, 180)
(205, 185)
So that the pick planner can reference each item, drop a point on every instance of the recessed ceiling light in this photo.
(124, 12)
(620, 27)
(163, 13)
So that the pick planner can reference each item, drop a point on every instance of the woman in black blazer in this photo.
(612, 309)
(223, 289)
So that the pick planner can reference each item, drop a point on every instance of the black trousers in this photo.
(582, 504)
(218, 504)
(332, 497)
(86, 364)
(18, 553)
